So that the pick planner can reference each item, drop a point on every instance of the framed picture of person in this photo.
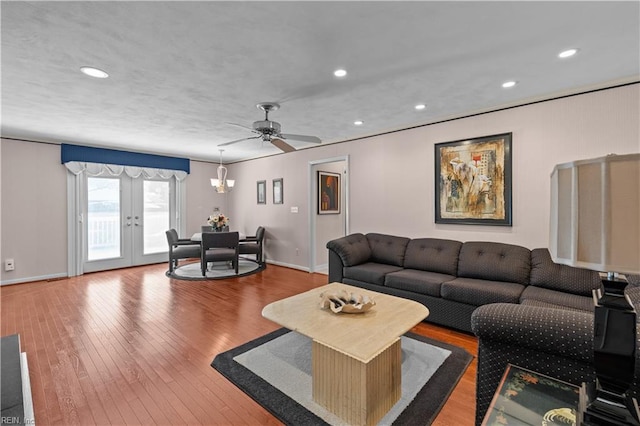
(277, 191)
(262, 192)
(328, 193)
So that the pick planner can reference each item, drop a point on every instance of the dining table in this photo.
(197, 237)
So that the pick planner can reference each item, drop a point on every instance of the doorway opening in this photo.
(328, 210)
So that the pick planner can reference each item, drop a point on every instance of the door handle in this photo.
(128, 223)
(128, 217)
(137, 224)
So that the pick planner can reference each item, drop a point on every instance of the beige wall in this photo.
(201, 197)
(34, 211)
(391, 182)
(392, 176)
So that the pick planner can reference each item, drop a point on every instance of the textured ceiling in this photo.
(181, 71)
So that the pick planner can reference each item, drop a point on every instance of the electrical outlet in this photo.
(9, 265)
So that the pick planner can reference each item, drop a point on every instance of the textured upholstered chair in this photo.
(551, 340)
(180, 248)
(219, 247)
(253, 244)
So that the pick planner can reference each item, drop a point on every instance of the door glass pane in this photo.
(103, 218)
(156, 216)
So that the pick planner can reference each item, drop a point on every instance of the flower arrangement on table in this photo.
(218, 221)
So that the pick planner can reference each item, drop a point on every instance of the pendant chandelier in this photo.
(222, 184)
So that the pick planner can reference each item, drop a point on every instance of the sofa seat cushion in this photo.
(370, 272)
(547, 274)
(480, 292)
(494, 262)
(558, 298)
(539, 304)
(433, 254)
(422, 282)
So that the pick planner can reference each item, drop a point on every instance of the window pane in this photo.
(103, 218)
(156, 216)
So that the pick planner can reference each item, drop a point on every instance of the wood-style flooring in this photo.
(132, 346)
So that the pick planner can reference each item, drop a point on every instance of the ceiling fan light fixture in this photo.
(94, 72)
(340, 73)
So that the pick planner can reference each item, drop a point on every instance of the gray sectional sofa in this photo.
(524, 308)
(453, 278)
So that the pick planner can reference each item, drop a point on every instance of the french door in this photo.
(125, 220)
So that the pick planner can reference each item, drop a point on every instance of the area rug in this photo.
(275, 370)
(216, 271)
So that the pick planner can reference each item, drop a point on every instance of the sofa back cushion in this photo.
(353, 249)
(387, 249)
(547, 274)
(495, 262)
(433, 254)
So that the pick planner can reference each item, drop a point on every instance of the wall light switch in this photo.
(294, 210)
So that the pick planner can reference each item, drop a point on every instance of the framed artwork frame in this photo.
(278, 194)
(473, 181)
(328, 193)
(261, 191)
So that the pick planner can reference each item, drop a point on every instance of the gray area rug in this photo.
(275, 370)
(216, 271)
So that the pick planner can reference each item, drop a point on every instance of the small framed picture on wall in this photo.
(328, 193)
(278, 196)
(262, 192)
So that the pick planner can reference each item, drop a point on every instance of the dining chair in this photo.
(180, 248)
(218, 247)
(253, 244)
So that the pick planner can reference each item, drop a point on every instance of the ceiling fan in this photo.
(269, 131)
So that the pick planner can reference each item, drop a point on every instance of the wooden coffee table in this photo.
(356, 358)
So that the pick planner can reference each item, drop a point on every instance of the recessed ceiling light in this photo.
(420, 107)
(358, 122)
(94, 72)
(340, 73)
(567, 53)
(508, 84)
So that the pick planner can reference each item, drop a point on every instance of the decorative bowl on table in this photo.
(343, 301)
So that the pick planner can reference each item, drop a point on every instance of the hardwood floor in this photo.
(132, 346)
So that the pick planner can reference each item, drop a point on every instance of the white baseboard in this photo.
(30, 279)
(288, 265)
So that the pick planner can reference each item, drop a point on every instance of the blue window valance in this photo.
(86, 154)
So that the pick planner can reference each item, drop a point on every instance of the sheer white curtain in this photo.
(96, 169)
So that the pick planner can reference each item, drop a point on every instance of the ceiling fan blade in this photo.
(238, 140)
(302, 138)
(282, 145)
(240, 125)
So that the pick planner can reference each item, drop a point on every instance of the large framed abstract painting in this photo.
(473, 181)
(328, 193)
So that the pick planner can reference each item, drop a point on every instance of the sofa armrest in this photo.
(353, 249)
(559, 332)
